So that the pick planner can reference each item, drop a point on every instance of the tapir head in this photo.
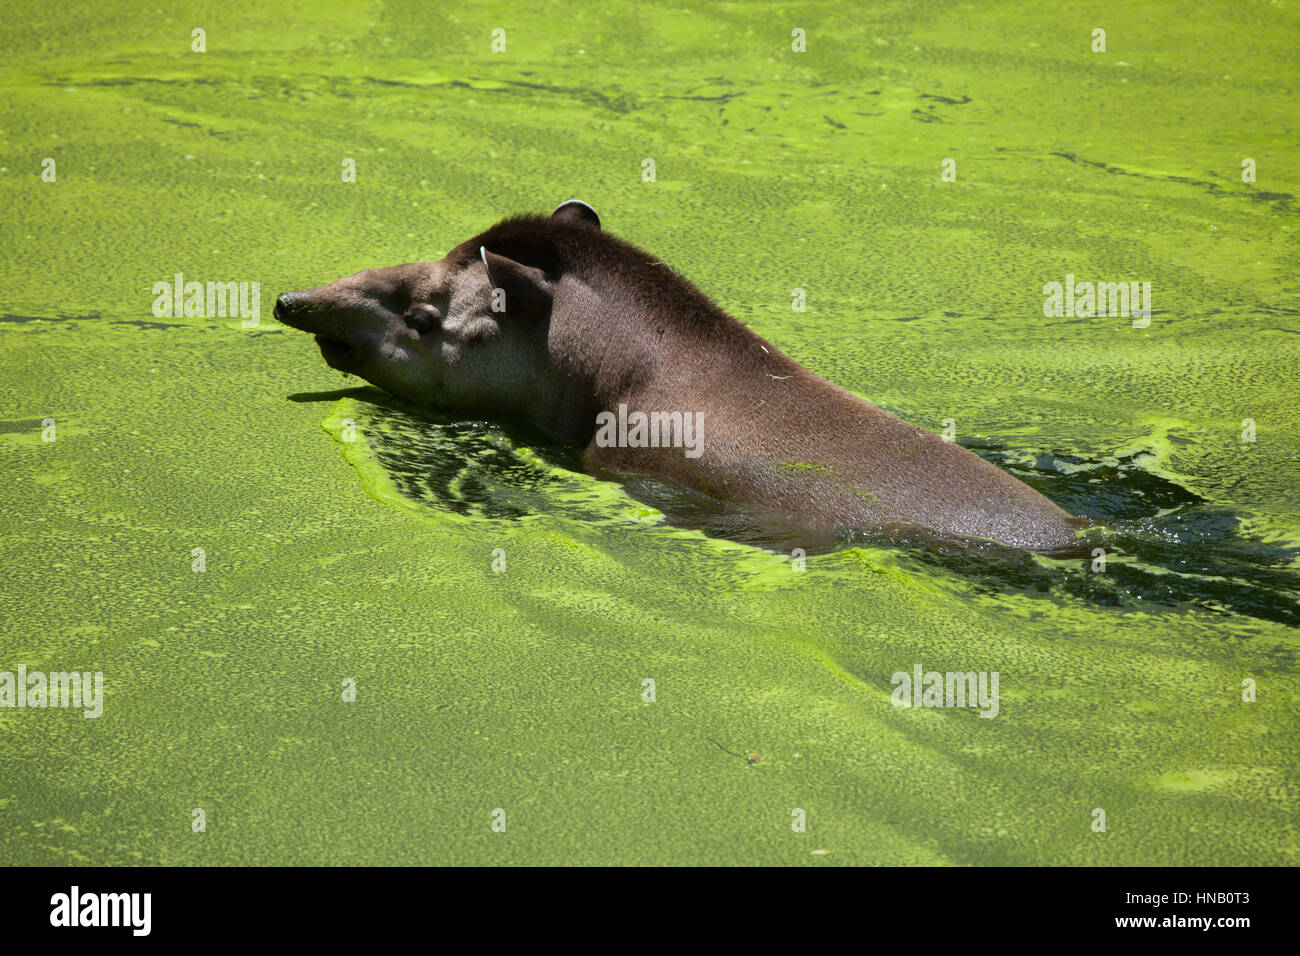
(466, 332)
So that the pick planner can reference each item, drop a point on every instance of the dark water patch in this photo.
(19, 426)
(719, 98)
(1275, 310)
(619, 103)
(364, 392)
(142, 324)
(198, 322)
(467, 467)
(946, 99)
(1120, 171)
(1279, 200)
(136, 81)
(383, 82)
(22, 319)
(1163, 544)
(1108, 490)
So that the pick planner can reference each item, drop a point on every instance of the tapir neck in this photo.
(604, 354)
(599, 353)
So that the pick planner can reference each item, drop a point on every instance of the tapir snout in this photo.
(285, 306)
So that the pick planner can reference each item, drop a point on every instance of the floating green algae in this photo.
(804, 466)
(499, 610)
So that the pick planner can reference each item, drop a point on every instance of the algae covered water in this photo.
(238, 539)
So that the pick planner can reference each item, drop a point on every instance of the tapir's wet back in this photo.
(601, 345)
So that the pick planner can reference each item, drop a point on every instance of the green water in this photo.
(371, 559)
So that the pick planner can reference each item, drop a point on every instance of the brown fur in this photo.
(605, 324)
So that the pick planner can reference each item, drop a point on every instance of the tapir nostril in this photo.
(284, 305)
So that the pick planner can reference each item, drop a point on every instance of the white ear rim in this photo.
(482, 254)
(579, 202)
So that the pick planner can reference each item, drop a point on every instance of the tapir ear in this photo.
(517, 289)
(576, 211)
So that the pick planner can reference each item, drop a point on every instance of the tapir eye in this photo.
(421, 317)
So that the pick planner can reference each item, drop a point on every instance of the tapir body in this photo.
(553, 321)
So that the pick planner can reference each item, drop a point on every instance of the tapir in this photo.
(553, 321)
